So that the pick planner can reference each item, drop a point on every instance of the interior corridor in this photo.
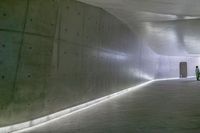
(171, 106)
(59, 57)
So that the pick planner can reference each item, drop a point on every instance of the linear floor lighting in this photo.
(30, 125)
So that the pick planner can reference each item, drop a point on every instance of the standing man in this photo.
(197, 72)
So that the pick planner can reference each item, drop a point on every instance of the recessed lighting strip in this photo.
(30, 125)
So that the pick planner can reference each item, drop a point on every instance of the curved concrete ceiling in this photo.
(170, 27)
(151, 10)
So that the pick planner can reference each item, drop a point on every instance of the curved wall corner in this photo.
(58, 54)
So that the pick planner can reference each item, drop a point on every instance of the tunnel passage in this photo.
(57, 54)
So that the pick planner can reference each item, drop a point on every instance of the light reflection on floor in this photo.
(163, 107)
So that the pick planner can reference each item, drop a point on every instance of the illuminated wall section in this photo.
(56, 54)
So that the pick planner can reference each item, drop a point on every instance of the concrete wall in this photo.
(56, 54)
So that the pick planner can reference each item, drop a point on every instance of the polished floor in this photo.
(161, 107)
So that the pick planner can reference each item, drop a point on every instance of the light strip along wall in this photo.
(30, 125)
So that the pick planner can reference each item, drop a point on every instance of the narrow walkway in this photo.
(162, 107)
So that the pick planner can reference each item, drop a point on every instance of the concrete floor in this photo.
(162, 107)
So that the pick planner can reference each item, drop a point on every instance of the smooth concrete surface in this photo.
(56, 54)
(179, 33)
(59, 54)
(176, 38)
(150, 10)
(161, 107)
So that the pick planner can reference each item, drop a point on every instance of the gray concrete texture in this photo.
(56, 54)
(171, 26)
(160, 107)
